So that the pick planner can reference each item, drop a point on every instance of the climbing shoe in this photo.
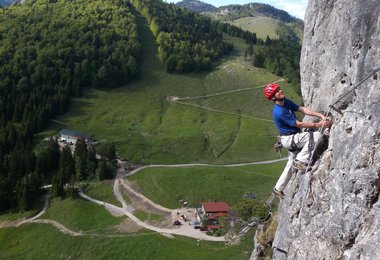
(299, 165)
(278, 193)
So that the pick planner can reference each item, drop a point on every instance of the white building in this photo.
(71, 136)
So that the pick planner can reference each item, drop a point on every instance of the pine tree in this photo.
(91, 161)
(80, 156)
(102, 170)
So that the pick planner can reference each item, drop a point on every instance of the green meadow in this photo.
(81, 215)
(45, 242)
(262, 26)
(101, 191)
(166, 186)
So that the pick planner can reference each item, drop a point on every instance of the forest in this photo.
(280, 56)
(50, 51)
(187, 41)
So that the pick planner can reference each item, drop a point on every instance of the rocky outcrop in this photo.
(333, 211)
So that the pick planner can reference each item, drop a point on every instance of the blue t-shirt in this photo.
(284, 117)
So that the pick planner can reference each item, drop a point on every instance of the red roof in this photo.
(213, 227)
(217, 215)
(213, 207)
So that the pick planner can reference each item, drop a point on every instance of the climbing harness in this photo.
(294, 146)
(278, 146)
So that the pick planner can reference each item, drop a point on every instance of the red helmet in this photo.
(270, 89)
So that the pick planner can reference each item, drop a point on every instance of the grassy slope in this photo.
(148, 129)
(81, 215)
(166, 186)
(102, 240)
(15, 214)
(45, 242)
(101, 191)
(262, 26)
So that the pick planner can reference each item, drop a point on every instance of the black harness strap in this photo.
(294, 146)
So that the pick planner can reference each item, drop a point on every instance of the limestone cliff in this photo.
(333, 211)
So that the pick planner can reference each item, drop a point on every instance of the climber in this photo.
(291, 137)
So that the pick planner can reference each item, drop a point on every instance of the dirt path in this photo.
(46, 205)
(34, 219)
(202, 165)
(59, 226)
(189, 232)
(119, 183)
(184, 230)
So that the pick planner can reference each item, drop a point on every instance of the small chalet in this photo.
(71, 136)
(213, 210)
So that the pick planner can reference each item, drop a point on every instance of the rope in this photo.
(355, 87)
(224, 92)
(328, 112)
(320, 129)
(223, 112)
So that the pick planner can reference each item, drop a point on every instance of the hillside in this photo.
(258, 18)
(196, 6)
(254, 9)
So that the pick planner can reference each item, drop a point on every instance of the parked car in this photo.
(204, 228)
(197, 227)
(196, 223)
(177, 223)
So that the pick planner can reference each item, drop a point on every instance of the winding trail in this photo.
(46, 205)
(35, 219)
(59, 226)
(184, 230)
(163, 231)
(201, 165)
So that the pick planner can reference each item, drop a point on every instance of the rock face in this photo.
(333, 211)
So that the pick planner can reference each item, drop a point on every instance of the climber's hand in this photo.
(324, 124)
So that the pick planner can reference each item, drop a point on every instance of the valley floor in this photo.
(136, 201)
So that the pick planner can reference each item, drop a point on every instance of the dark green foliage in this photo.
(280, 56)
(78, 167)
(92, 162)
(106, 169)
(47, 158)
(258, 9)
(66, 165)
(187, 41)
(66, 172)
(196, 6)
(49, 51)
(260, 211)
(107, 152)
(107, 164)
(248, 208)
(235, 31)
(80, 156)
(28, 189)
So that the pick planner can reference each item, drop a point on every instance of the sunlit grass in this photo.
(166, 186)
